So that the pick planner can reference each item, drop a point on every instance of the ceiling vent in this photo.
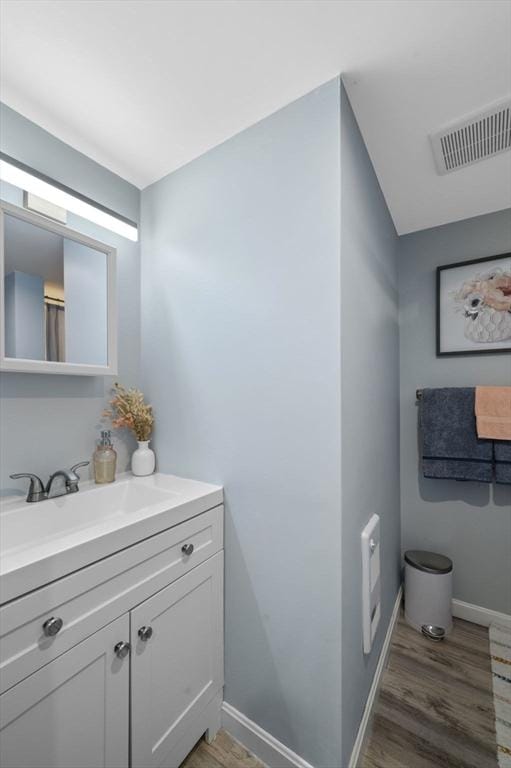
(473, 138)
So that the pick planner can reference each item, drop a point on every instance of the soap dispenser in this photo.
(105, 459)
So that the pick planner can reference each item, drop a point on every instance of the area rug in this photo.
(500, 650)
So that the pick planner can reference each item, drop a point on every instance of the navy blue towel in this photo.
(503, 461)
(450, 446)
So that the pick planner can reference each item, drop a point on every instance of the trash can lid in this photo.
(429, 562)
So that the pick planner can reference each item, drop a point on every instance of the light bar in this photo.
(20, 175)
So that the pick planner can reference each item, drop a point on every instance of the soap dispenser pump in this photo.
(105, 459)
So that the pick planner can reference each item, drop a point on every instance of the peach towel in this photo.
(493, 412)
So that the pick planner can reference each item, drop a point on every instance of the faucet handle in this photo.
(77, 466)
(72, 481)
(36, 491)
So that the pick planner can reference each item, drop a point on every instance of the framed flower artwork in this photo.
(473, 307)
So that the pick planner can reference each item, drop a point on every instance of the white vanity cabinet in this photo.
(72, 713)
(177, 671)
(134, 675)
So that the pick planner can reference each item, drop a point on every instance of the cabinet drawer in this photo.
(89, 599)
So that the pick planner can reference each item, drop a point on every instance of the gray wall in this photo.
(52, 421)
(370, 408)
(470, 522)
(24, 315)
(240, 340)
(85, 283)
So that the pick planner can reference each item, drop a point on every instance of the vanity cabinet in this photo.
(134, 675)
(74, 712)
(177, 670)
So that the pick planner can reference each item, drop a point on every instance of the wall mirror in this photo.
(57, 294)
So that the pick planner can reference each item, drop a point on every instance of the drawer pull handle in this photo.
(145, 633)
(52, 627)
(187, 549)
(122, 649)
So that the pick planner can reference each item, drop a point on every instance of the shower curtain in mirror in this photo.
(55, 344)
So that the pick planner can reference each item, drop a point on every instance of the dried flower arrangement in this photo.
(130, 411)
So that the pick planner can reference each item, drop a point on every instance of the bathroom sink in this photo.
(32, 524)
(42, 541)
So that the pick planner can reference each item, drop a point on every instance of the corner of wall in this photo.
(369, 409)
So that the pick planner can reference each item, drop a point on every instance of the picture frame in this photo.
(473, 307)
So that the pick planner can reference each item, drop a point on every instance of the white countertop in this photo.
(43, 541)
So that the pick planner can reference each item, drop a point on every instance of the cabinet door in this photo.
(179, 668)
(74, 712)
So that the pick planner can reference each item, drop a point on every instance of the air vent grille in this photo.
(474, 138)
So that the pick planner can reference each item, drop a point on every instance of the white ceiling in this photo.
(144, 86)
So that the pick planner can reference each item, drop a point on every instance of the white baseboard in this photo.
(373, 692)
(477, 614)
(275, 754)
(258, 741)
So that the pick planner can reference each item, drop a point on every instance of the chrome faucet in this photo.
(71, 479)
(38, 492)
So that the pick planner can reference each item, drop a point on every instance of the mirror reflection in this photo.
(55, 292)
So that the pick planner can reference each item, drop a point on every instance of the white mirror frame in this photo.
(43, 366)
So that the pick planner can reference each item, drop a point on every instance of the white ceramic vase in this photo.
(143, 459)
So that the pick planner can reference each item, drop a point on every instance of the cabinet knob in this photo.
(145, 633)
(187, 549)
(122, 649)
(52, 626)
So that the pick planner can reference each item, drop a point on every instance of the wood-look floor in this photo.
(435, 705)
(434, 708)
(224, 752)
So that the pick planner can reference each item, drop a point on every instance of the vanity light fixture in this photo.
(21, 175)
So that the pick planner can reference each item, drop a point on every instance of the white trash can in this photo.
(428, 591)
